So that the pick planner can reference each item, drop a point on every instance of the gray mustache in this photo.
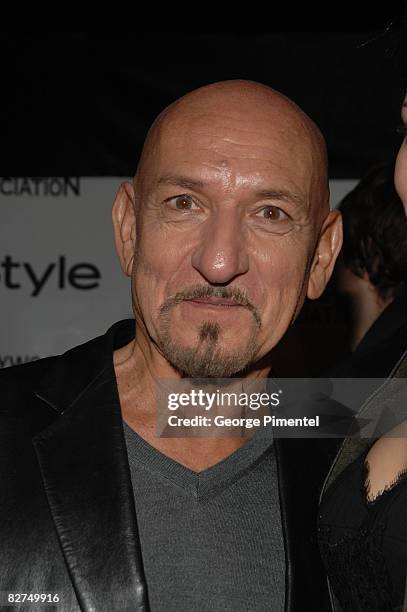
(201, 291)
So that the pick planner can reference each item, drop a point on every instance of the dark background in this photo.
(81, 103)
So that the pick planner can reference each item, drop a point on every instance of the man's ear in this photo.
(124, 224)
(328, 247)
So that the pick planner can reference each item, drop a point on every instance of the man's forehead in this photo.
(244, 126)
(230, 148)
(245, 108)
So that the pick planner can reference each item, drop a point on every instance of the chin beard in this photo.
(206, 360)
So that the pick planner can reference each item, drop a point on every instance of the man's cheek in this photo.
(284, 291)
(150, 261)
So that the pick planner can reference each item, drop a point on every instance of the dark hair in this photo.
(375, 231)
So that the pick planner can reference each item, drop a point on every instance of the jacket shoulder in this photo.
(19, 380)
(25, 371)
(59, 380)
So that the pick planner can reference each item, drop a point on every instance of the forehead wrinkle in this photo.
(228, 148)
(226, 120)
(279, 142)
(269, 133)
(219, 165)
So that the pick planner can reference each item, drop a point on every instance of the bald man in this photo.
(224, 231)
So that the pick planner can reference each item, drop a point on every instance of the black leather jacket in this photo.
(67, 515)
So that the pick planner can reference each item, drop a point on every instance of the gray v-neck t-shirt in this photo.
(211, 541)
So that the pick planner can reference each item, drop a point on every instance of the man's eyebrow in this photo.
(179, 181)
(190, 183)
(277, 194)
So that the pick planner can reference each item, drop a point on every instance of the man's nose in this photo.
(221, 253)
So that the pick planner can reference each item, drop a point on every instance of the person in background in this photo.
(372, 273)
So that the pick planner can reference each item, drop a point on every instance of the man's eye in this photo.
(181, 202)
(273, 213)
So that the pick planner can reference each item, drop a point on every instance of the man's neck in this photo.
(137, 372)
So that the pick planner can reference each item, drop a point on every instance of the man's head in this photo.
(230, 201)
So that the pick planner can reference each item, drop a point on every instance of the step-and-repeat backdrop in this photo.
(60, 279)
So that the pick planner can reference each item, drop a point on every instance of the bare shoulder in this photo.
(387, 460)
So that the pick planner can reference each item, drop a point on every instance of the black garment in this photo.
(364, 544)
(362, 560)
(375, 357)
(67, 513)
(381, 347)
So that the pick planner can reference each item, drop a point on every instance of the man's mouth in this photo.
(216, 302)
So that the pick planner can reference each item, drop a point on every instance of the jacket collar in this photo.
(86, 477)
(74, 371)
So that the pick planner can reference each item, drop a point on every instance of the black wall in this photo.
(81, 103)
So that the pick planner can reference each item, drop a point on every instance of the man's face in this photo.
(400, 175)
(226, 230)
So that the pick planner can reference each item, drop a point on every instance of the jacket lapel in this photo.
(84, 467)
